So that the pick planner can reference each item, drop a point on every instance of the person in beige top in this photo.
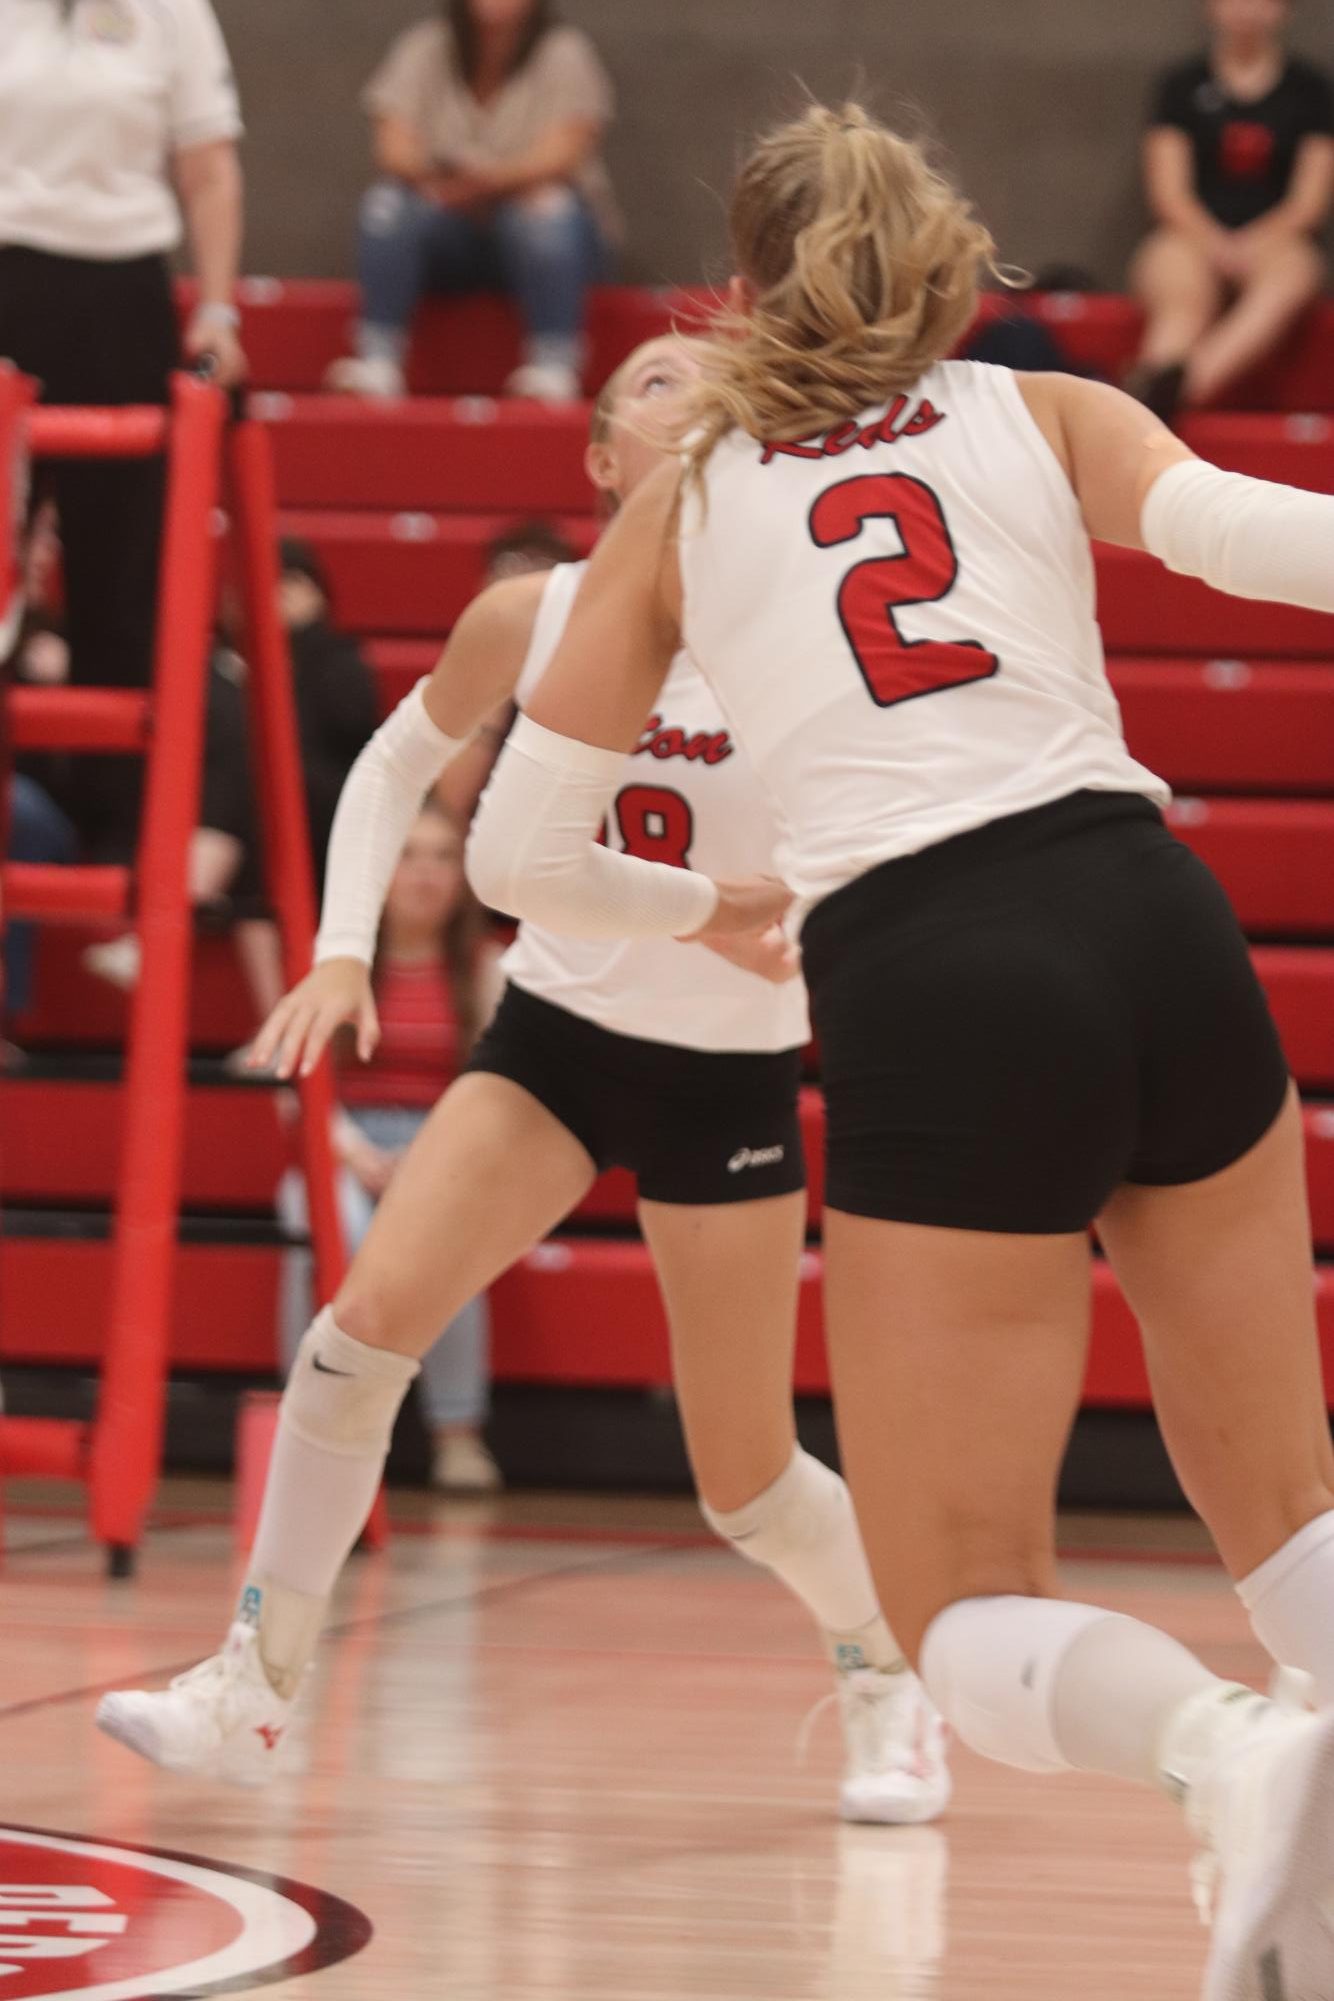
(487, 127)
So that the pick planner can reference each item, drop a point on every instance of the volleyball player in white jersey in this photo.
(672, 1061)
(1034, 1006)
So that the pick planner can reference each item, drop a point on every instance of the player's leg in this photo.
(987, 1094)
(455, 1216)
(957, 1360)
(1219, 1274)
(729, 1274)
(1281, 287)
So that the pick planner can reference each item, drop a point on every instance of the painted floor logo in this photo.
(85, 1920)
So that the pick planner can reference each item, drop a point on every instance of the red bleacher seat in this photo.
(477, 454)
(456, 456)
(414, 573)
(1144, 608)
(236, 1146)
(408, 572)
(1271, 856)
(1300, 986)
(1295, 447)
(572, 1312)
(589, 1313)
(71, 1007)
(57, 1300)
(1230, 725)
(292, 328)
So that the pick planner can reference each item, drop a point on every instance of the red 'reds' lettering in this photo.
(886, 430)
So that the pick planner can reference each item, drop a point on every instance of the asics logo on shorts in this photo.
(755, 1156)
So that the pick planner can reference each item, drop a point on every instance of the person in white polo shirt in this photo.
(117, 119)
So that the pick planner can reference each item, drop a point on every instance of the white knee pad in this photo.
(990, 1666)
(342, 1395)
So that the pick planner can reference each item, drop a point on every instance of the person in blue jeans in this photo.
(435, 983)
(487, 125)
(38, 832)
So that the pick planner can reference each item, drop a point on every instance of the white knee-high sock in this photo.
(1050, 1686)
(804, 1529)
(1290, 1598)
(333, 1434)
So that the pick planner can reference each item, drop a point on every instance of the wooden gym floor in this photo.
(553, 1757)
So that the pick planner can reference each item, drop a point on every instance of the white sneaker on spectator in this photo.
(463, 1465)
(222, 1720)
(896, 1773)
(118, 961)
(373, 376)
(545, 382)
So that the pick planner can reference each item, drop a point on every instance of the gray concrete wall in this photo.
(1037, 102)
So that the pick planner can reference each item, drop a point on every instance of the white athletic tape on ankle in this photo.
(804, 1529)
(990, 1666)
(1289, 1598)
(343, 1395)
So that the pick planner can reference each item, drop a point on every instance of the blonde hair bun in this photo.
(864, 263)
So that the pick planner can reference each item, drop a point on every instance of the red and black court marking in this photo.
(85, 1920)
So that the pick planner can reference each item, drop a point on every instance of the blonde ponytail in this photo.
(864, 264)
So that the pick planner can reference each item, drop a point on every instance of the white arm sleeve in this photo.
(534, 851)
(376, 809)
(1247, 536)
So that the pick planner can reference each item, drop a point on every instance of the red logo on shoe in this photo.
(271, 1733)
(85, 1920)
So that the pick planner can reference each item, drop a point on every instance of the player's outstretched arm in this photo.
(432, 726)
(1140, 486)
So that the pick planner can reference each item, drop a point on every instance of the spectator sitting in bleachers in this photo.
(487, 129)
(1239, 172)
(435, 983)
(334, 694)
(533, 545)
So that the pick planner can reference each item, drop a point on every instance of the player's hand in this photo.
(297, 1033)
(770, 954)
(749, 904)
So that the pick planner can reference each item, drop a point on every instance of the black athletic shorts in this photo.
(693, 1126)
(1017, 1021)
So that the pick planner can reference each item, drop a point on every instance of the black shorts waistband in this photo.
(905, 880)
(670, 1064)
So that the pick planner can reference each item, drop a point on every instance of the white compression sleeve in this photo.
(376, 809)
(533, 848)
(1247, 536)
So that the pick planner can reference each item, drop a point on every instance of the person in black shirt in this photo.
(336, 710)
(1239, 172)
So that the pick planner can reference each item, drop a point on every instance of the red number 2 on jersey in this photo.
(656, 824)
(896, 669)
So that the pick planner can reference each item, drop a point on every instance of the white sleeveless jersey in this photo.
(689, 797)
(898, 619)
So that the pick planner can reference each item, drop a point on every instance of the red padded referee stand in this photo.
(120, 1454)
